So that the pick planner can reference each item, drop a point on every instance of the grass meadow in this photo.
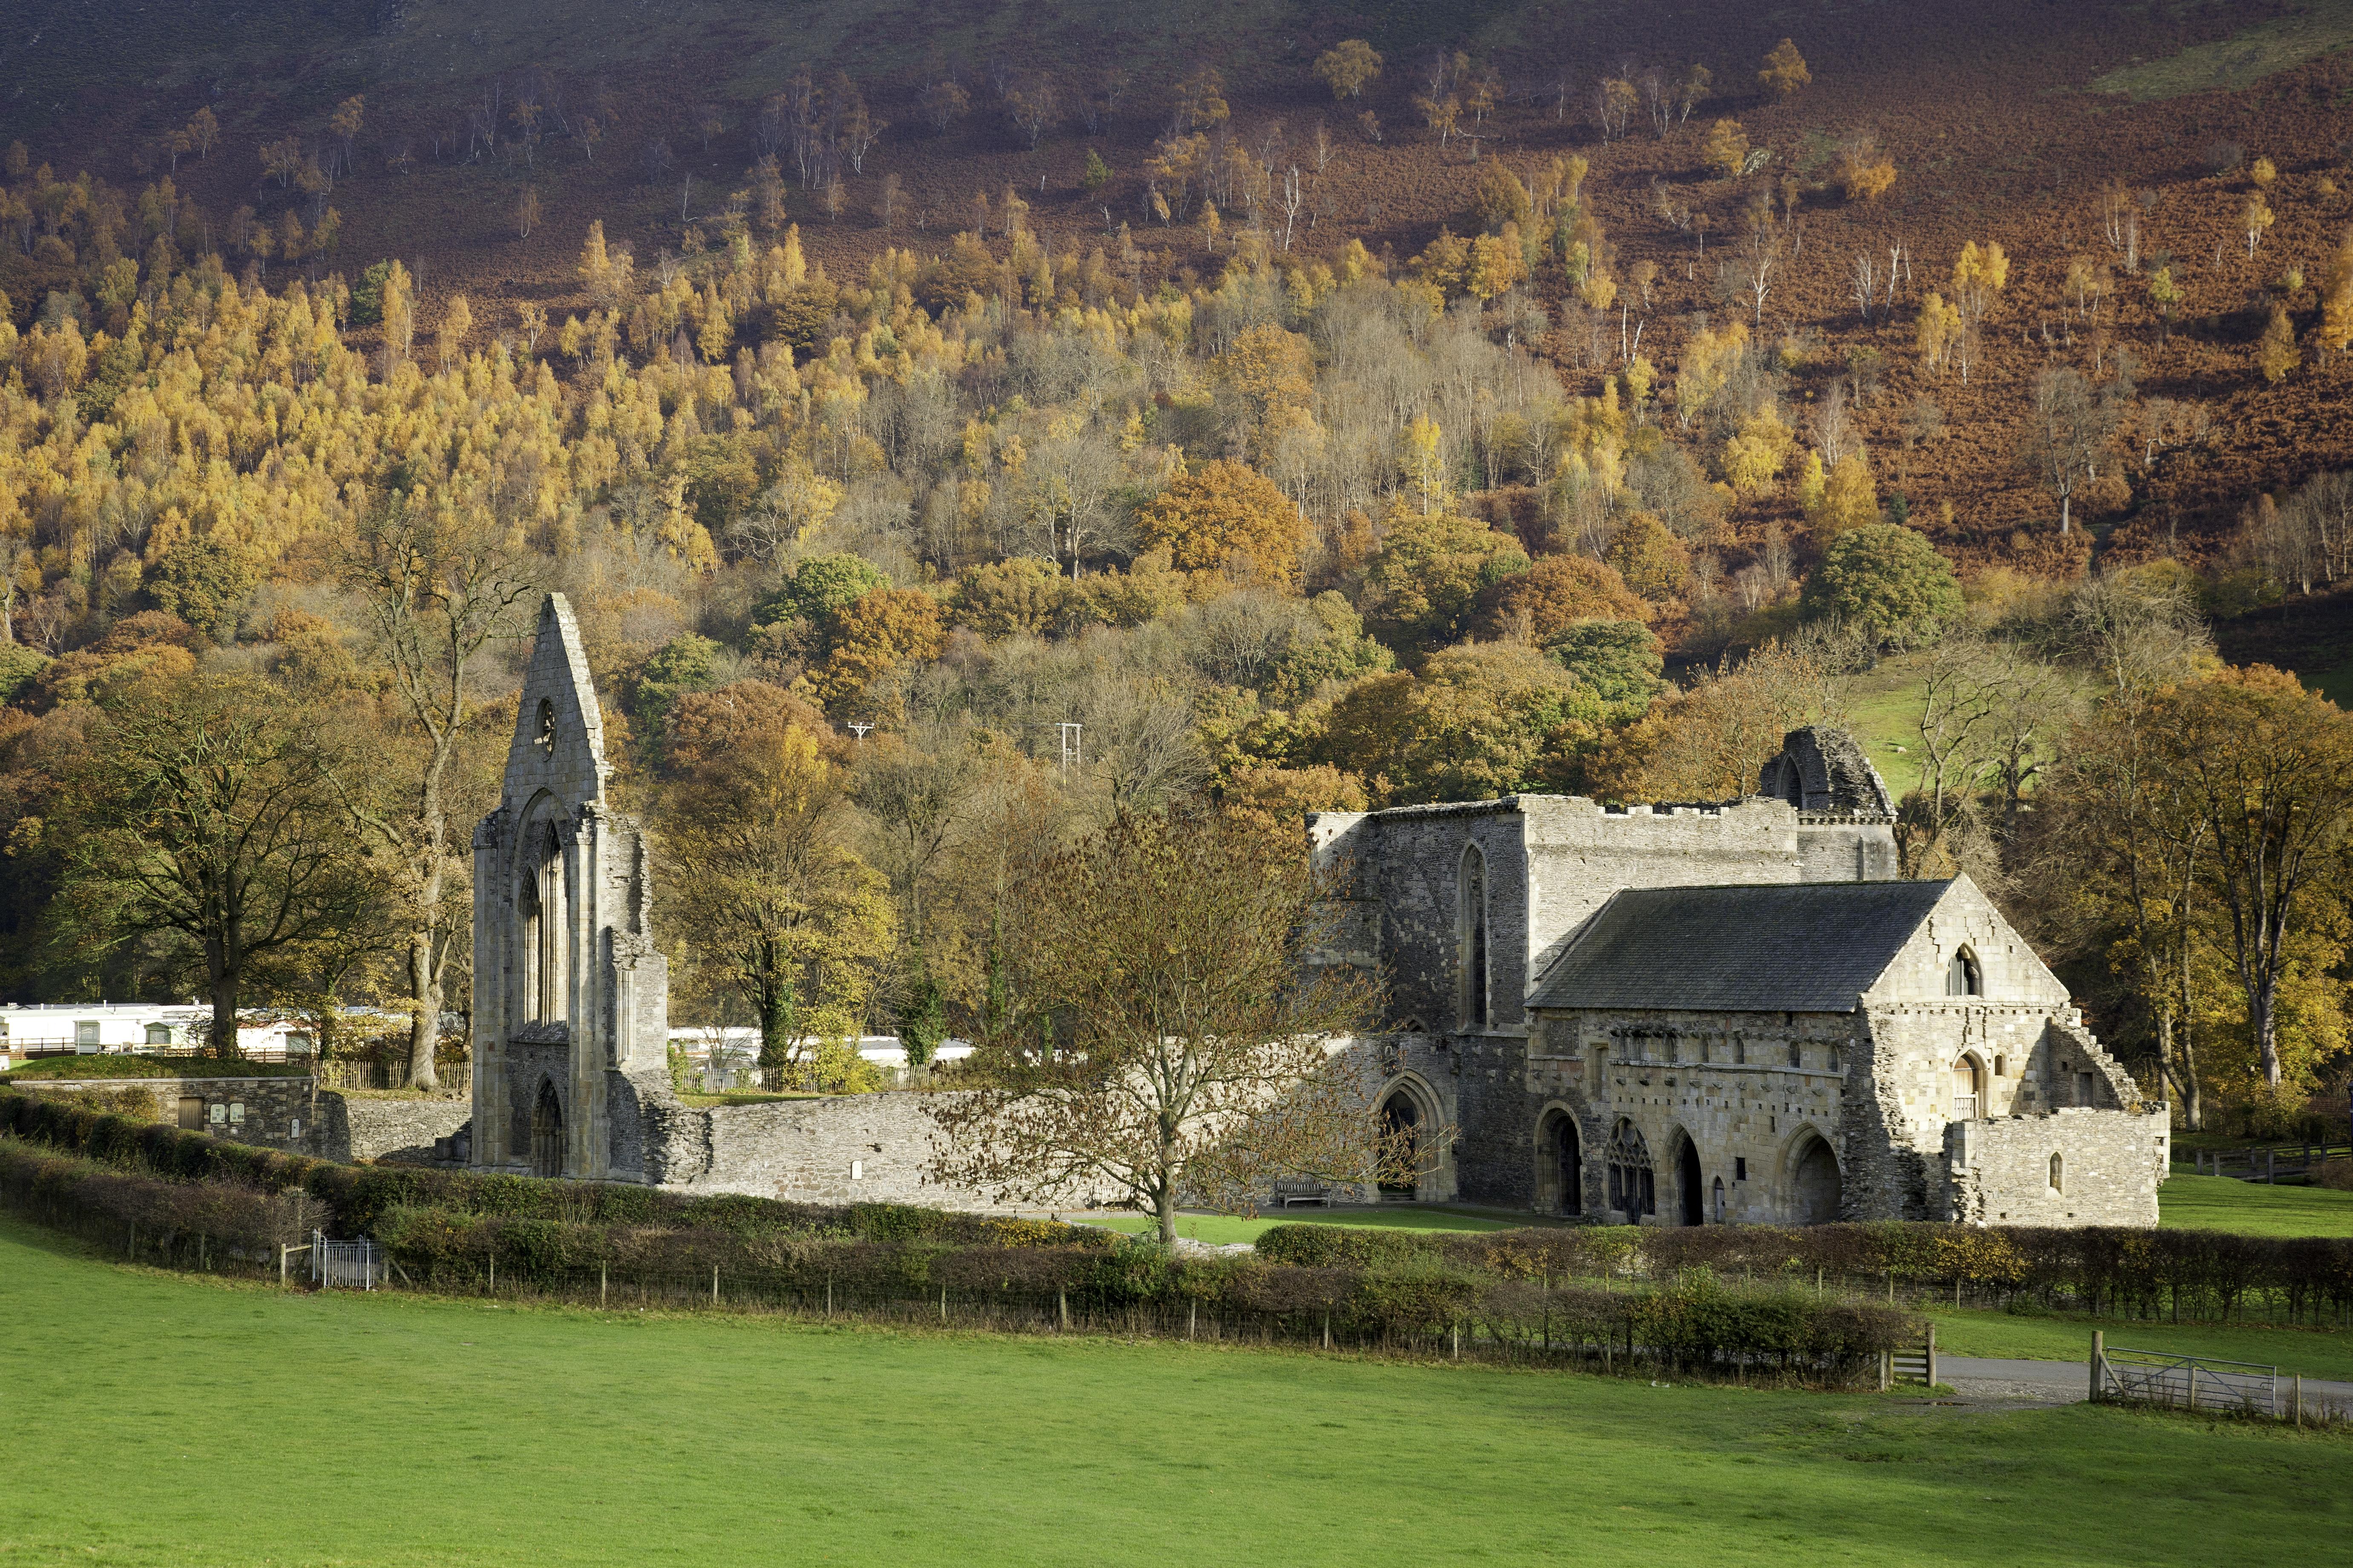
(162, 1419)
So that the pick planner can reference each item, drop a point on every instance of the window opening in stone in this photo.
(547, 1133)
(2058, 1174)
(1719, 1200)
(1969, 1088)
(1796, 1055)
(546, 736)
(2086, 1091)
(1401, 1146)
(1474, 939)
(1634, 1188)
(1962, 977)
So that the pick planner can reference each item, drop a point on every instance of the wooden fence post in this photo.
(1932, 1352)
(2296, 1401)
(2099, 1355)
(715, 1283)
(1062, 1306)
(603, 1284)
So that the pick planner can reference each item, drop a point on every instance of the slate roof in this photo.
(1804, 947)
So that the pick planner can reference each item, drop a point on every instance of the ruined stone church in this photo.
(1728, 1013)
(1667, 1015)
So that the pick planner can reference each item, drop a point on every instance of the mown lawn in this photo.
(159, 1419)
(2223, 1202)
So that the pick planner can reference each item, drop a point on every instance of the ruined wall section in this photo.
(840, 1149)
(2069, 1168)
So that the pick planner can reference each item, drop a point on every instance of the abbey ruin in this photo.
(1672, 1015)
(1725, 1013)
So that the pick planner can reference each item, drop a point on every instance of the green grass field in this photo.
(160, 1419)
(2223, 1202)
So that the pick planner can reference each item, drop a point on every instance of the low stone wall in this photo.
(271, 1112)
(400, 1130)
(2109, 1165)
(842, 1149)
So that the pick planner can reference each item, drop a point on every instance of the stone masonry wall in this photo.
(1725, 1080)
(2110, 1163)
(402, 1130)
(269, 1112)
(857, 1148)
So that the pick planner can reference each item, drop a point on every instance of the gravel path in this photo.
(1992, 1379)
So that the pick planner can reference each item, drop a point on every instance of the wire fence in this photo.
(1538, 1340)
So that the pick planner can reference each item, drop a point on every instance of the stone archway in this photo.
(1816, 1187)
(547, 1133)
(1402, 1136)
(1560, 1164)
(1691, 1195)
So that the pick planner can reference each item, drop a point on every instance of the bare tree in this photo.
(1165, 1037)
(2066, 434)
(436, 583)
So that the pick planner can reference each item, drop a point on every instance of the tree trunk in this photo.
(425, 1023)
(1166, 1208)
(223, 990)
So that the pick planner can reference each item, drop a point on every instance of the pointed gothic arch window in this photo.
(545, 738)
(1963, 977)
(1472, 921)
(1634, 1186)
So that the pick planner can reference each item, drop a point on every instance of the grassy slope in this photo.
(238, 1425)
(2316, 28)
(2221, 1203)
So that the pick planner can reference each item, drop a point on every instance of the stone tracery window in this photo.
(1963, 977)
(1634, 1186)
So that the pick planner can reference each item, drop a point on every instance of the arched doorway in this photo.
(1815, 1186)
(1633, 1190)
(1689, 1190)
(1969, 1088)
(1560, 1164)
(547, 1133)
(1718, 1206)
(1401, 1147)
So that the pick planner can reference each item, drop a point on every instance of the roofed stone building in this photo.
(1727, 1013)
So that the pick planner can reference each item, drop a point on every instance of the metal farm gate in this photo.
(351, 1265)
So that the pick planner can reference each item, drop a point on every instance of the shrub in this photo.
(1888, 583)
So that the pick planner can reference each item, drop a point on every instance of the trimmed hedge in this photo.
(117, 1064)
(110, 1177)
(2195, 1274)
(358, 1197)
